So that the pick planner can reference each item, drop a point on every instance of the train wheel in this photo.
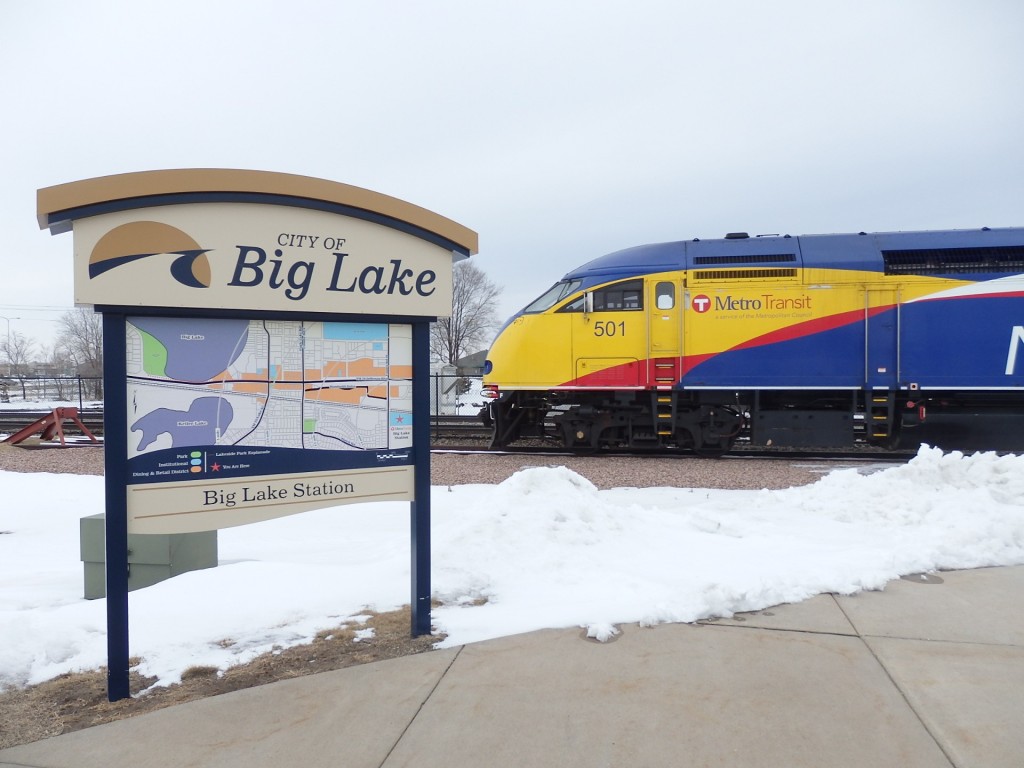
(717, 433)
(711, 449)
(579, 437)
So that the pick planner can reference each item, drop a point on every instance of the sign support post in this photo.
(114, 450)
(421, 504)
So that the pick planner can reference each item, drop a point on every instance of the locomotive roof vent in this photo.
(736, 236)
(1006, 259)
(752, 258)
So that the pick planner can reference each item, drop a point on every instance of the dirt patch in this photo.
(79, 700)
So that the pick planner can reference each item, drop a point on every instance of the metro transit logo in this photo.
(700, 303)
(142, 239)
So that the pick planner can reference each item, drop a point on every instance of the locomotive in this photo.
(812, 340)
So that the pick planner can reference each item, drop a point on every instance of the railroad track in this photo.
(467, 434)
(13, 420)
(441, 427)
(866, 454)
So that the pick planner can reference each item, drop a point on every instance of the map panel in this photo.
(234, 397)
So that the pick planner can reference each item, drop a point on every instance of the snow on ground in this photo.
(17, 404)
(544, 549)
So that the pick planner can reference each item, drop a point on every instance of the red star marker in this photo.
(399, 419)
(215, 467)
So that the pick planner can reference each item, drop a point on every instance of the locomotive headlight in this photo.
(490, 391)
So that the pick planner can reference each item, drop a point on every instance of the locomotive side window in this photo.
(620, 297)
(573, 306)
(665, 295)
(552, 296)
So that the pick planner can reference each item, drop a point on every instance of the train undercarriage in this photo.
(592, 421)
(710, 422)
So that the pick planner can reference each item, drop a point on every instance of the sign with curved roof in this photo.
(238, 239)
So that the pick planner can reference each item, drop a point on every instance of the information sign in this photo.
(266, 346)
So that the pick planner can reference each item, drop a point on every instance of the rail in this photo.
(442, 427)
(11, 420)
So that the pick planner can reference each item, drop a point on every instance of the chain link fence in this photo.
(455, 397)
(36, 391)
(452, 393)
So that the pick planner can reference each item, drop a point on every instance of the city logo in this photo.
(700, 303)
(256, 266)
(142, 239)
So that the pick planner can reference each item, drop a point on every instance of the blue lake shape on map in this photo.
(198, 425)
(198, 349)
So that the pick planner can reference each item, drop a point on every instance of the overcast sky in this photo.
(558, 130)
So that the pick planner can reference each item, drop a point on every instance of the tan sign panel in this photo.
(244, 239)
(184, 507)
(245, 256)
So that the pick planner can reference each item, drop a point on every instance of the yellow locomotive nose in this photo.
(532, 352)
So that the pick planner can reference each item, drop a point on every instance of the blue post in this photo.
(115, 455)
(421, 503)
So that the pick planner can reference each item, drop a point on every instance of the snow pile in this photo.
(543, 549)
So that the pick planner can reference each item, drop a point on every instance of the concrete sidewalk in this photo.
(929, 672)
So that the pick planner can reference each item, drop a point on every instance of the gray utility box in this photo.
(152, 557)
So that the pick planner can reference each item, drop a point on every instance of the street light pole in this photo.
(8, 350)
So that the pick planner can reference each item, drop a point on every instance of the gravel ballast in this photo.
(627, 471)
(449, 468)
(34, 456)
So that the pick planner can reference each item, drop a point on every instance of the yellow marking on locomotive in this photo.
(723, 315)
(720, 309)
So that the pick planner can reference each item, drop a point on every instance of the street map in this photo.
(271, 384)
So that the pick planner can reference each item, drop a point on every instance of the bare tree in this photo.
(18, 351)
(55, 362)
(474, 315)
(81, 339)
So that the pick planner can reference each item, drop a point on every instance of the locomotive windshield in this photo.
(552, 296)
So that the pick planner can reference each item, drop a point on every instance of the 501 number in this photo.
(610, 328)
